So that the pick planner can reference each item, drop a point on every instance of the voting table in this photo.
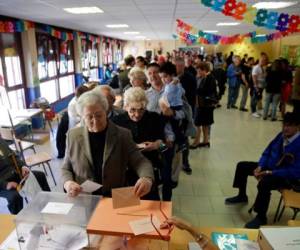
(179, 239)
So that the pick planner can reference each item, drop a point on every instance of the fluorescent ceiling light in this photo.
(83, 10)
(228, 24)
(211, 31)
(140, 37)
(261, 35)
(273, 5)
(113, 26)
(131, 32)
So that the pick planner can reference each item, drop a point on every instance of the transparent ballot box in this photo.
(55, 221)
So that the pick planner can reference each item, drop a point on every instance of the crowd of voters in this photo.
(129, 131)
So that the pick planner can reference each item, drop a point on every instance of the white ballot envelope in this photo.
(90, 186)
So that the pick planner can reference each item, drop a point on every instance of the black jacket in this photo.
(8, 170)
(189, 83)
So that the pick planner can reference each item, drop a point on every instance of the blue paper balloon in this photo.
(272, 20)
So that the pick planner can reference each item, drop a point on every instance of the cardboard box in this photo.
(279, 238)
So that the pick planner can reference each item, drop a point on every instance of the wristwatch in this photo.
(201, 240)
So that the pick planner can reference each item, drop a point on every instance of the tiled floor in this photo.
(199, 198)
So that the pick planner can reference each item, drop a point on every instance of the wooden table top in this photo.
(7, 225)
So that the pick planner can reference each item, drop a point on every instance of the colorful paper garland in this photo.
(22, 25)
(260, 17)
(15, 26)
(201, 37)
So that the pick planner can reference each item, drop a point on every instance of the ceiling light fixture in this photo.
(273, 5)
(260, 35)
(228, 24)
(113, 26)
(140, 37)
(210, 31)
(84, 10)
(131, 32)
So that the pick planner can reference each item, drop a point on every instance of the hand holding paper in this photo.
(142, 186)
(124, 197)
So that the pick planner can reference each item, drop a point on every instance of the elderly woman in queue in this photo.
(205, 103)
(137, 78)
(102, 152)
(147, 129)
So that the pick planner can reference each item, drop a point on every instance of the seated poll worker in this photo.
(102, 152)
(204, 242)
(278, 167)
(12, 171)
(147, 129)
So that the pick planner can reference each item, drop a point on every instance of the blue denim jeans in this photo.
(274, 100)
(233, 93)
(256, 96)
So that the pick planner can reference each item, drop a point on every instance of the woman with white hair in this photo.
(102, 152)
(147, 129)
(137, 78)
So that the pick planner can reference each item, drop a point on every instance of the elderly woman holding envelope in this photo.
(148, 132)
(102, 152)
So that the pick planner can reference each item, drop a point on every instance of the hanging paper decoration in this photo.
(22, 25)
(201, 37)
(218, 5)
(261, 17)
(271, 20)
(15, 26)
(283, 21)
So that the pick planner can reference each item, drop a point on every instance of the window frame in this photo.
(56, 55)
(21, 86)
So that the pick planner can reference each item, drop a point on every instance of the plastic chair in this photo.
(8, 134)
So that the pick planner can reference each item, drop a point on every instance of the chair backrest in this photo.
(19, 148)
(7, 134)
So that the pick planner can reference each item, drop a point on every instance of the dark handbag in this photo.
(295, 184)
(207, 101)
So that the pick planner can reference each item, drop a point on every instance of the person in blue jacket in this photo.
(234, 79)
(278, 167)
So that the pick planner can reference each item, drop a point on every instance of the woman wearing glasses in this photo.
(102, 152)
(148, 131)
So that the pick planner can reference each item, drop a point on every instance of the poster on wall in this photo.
(292, 53)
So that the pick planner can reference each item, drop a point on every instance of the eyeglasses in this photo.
(96, 116)
(134, 110)
(170, 228)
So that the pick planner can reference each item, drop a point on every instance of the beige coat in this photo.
(120, 154)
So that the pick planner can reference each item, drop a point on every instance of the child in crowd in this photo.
(172, 98)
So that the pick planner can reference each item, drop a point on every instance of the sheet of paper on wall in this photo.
(57, 208)
(246, 245)
(90, 186)
(144, 225)
(124, 197)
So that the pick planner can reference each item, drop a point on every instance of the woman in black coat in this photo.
(147, 129)
(206, 101)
